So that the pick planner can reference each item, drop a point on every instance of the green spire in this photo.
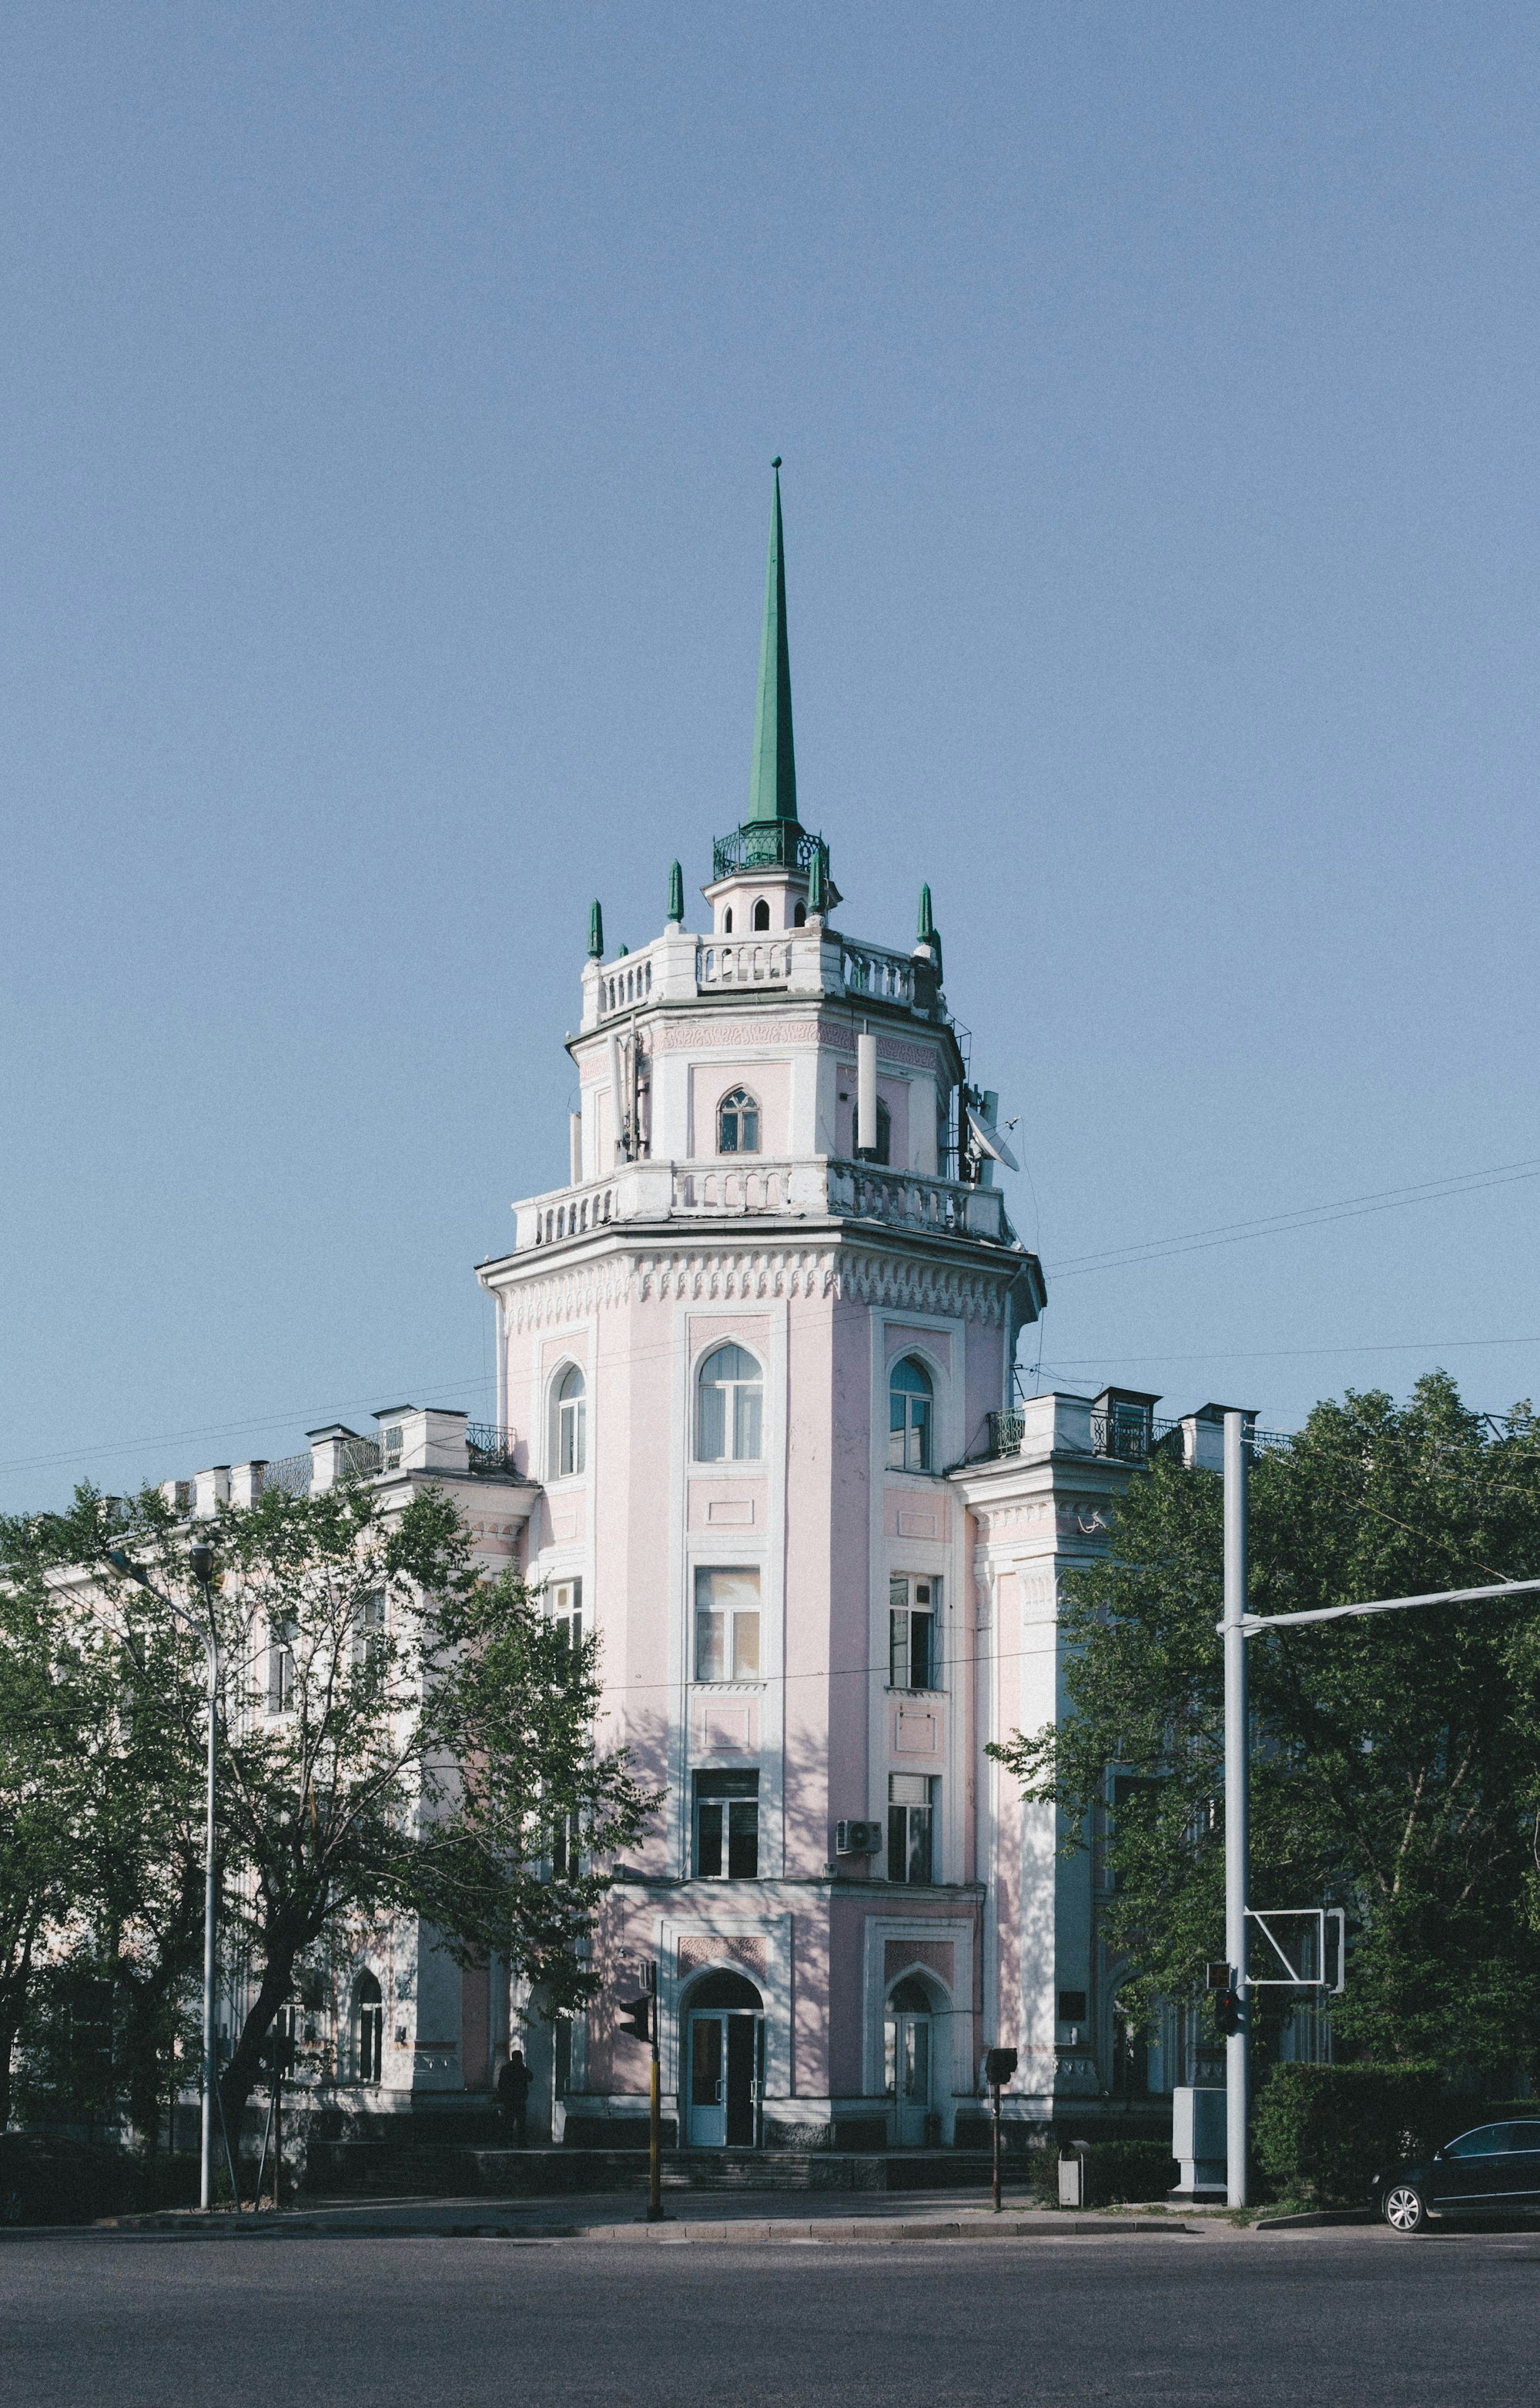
(817, 885)
(927, 926)
(772, 782)
(595, 933)
(676, 895)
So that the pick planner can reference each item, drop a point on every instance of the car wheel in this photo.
(1403, 2210)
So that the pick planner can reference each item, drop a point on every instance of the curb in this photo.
(668, 2234)
(1314, 2217)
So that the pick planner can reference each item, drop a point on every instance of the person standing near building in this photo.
(513, 2088)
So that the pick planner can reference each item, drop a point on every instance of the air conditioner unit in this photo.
(857, 1839)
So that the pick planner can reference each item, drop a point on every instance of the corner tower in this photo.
(744, 1348)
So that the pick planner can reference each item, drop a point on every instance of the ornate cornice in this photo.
(886, 1276)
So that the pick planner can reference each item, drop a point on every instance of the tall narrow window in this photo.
(369, 2013)
(727, 1826)
(738, 1123)
(569, 1425)
(728, 1408)
(369, 1643)
(882, 1151)
(910, 1416)
(280, 1670)
(564, 1604)
(762, 915)
(912, 1798)
(727, 1625)
(912, 1655)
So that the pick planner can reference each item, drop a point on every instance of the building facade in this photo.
(757, 1430)
(759, 1353)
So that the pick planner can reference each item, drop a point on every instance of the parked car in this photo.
(1495, 2166)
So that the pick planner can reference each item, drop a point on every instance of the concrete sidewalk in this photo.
(936, 2217)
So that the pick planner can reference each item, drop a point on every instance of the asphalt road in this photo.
(1334, 2319)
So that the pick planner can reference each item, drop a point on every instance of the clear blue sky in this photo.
(388, 398)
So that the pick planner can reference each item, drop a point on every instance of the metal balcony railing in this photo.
(772, 844)
(490, 1448)
(291, 1472)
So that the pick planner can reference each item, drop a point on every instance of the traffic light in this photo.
(1227, 2011)
(636, 2020)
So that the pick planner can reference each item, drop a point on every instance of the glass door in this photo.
(908, 2040)
(708, 2128)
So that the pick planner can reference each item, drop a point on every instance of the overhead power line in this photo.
(1305, 1216)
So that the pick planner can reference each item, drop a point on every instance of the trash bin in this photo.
(1074, 2186)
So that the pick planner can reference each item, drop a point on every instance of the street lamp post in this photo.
(200, 1559)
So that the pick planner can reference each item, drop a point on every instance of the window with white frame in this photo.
(738, 1123)
(728, 1408)
(727, 1624)
(369, 2028)
(911, 1415)
(564, 1605)
(280, 1669)
(914, 1657)
(370, 1639)
(912, 1801)
(569, 1424)
(727, 1826)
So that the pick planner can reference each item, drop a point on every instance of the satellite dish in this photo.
(989, 1141)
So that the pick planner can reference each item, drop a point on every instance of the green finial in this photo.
(772, 782)
(927, 926)
(595, 932)
(676, 896)
(817, 886)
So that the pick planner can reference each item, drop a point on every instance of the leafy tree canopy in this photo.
(397, 1733)
(1395, 1758)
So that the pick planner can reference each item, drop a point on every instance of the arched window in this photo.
(762, 915)
(369, 2028)
(910, 1415)
(727, 920)
(568, 1425)
(728, 1408)
(799, 917)
(738, 1123)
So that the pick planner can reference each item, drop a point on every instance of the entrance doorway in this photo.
(725, 2070)
(909, 2035)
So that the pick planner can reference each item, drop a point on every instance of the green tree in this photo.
(1396, 1759)
(397, 1734)
(100, 1827)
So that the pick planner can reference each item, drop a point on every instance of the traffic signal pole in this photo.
(1236, 1805)
(654, 2115)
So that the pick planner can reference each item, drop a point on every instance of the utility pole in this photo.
(1237, 1804)
(654, 2110)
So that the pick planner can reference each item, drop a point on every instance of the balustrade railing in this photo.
(743, 961)
(1006, 1431)
(766, 844)
(886, 978)
(359, 1458)
(624, 984)
(743, 1186)
(575, 1214)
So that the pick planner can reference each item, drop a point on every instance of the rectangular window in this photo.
(564, 1604)
(727, 1826)
(913, 1658)
(281, 1672)
(912, 1801)
(566, 1845)
(727, 1625)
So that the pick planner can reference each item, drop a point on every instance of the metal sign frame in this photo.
(1292, 1978)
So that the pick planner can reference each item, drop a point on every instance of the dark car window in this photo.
(1524, 2136)
(1488, 2141)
